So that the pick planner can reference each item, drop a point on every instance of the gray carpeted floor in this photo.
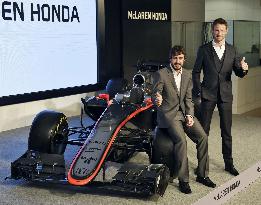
(246, 151)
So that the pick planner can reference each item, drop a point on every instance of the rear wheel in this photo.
(49, 133)
(116, 85)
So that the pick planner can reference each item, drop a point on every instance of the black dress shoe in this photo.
(231, 169)
(171, 178)
(196, 171)
(206, 181)
(184, 187)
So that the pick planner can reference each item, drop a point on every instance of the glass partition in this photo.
(247, 40)
(188, 35)
(244, 35)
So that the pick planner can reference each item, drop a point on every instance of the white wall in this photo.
(247, 91)
(20, 115)
(187, 10)
(233, 9)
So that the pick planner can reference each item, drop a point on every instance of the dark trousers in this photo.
(225, 114)
(177, 131)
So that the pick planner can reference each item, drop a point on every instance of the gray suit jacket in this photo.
(173, 101)
(214, 79)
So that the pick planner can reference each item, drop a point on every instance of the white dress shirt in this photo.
(219, 49)
(177, 76)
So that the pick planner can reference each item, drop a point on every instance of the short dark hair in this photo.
(219, 21)
(176, 50)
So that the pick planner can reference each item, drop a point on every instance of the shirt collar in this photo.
(214, 44)
(174, 71)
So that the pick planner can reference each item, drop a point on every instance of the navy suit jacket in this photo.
(215, 80)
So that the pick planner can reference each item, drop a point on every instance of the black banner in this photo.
(147, 10)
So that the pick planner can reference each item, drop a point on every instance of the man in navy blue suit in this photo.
(218, 59)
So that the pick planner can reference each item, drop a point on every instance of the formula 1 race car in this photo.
(125, 123)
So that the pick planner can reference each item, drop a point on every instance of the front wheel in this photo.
(49, 133)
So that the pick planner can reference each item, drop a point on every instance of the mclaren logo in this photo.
(147, 15)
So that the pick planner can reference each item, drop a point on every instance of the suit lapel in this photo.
(172, 80)
(227, 54)
(211, 51)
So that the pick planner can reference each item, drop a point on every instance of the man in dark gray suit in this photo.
(172, 93)
(218, 59)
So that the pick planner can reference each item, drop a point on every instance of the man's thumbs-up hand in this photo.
(158, 99)
(243, 64)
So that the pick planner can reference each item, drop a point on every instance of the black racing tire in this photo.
(163, 150)
(116, 85)
(49, 133)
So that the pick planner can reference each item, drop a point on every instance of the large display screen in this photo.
(46, 45)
